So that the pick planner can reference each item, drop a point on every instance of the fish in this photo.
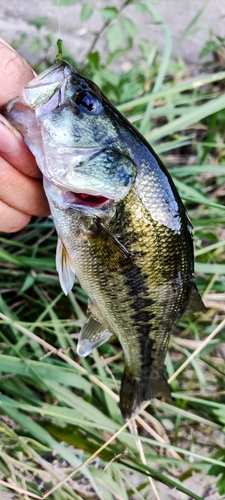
(123, 230)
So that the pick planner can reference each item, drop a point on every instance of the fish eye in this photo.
(88, 103)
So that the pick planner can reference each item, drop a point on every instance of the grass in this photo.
(62, 435)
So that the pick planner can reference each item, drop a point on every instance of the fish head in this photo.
(74, 133)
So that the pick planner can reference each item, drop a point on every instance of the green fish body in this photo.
(123, 230)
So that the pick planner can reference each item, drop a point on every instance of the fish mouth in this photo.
(85, 200)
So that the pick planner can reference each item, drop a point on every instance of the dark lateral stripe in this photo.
(141, 316)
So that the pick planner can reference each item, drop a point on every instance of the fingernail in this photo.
(8, 137)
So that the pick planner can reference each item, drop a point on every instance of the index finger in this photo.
(15, 73)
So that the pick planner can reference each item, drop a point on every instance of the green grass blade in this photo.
(163, 66)
(173, 90)
(188, 119)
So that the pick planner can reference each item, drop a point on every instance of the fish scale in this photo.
(122, 227)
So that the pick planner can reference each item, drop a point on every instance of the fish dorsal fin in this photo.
(63, 266)
(93, 334)
(195, 303)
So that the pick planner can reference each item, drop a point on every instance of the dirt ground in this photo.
(14, 18)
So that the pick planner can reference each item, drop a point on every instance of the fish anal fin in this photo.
(135, 391)
(195, 303)
(63, 266)
(93, 334)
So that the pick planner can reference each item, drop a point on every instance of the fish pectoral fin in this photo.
(195, 303)
(63, 266)
(107, 235)
(135, 391)
(93, 334)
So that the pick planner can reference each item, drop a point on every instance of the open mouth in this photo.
(84, 199)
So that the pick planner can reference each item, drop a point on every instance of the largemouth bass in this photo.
(122, 227)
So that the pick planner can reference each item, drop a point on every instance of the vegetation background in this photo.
(62, 436)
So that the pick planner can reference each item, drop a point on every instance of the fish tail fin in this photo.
(135, 391)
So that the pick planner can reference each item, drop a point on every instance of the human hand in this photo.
(21, 190)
